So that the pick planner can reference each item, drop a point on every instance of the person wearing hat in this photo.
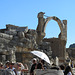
(23, 68)
(40, 64)
(10, 69)
(6, 65)
(1, 65)
(33, 67)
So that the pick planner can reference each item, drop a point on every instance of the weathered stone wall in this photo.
(15, 36)
(46, 48)
(57, 47)
(71, 54)
(42, 23)
(48, 72)
(51, 72)
(15, 39)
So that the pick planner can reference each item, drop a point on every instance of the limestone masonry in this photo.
(16, 42)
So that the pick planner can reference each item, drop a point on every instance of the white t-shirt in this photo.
(22, 67)
(18, 72)
(69, 73)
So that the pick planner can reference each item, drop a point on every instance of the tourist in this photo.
(10, 69)
(23, 68)
(72, 65)
(44, 65)
(68, 71)
(1, 65)
(40, 64)
(33, 67)
(62, 67)
(6, 65)
(18, 68)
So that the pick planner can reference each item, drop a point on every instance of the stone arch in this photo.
(42, 23)
(62, 25)
(52, 29)
(57, 44)
(52, 18)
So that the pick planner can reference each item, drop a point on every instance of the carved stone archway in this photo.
(62, 25)
(42, 23)
(57, 44)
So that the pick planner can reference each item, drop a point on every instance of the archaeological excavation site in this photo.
(17, 42)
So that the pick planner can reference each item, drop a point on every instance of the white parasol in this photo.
(41, 55)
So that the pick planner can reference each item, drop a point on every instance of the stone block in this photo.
(21, 34)
(9, 26)
(20, 44)
(11, 32)
(22, 29)
(3, 40)
(14, 42)
(48, 72)
(6, 36)
(29, 36)
(32, 32)
(16, 38)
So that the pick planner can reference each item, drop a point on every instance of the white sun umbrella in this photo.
(41, 55)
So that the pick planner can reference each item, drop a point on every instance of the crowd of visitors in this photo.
(19, 69)
(37, 65)
(14, 68)
(67, 70)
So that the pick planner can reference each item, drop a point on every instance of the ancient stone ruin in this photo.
(16, 42)
(57, 44)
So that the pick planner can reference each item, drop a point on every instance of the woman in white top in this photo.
(22, 68)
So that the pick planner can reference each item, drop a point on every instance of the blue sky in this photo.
(24, 13)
